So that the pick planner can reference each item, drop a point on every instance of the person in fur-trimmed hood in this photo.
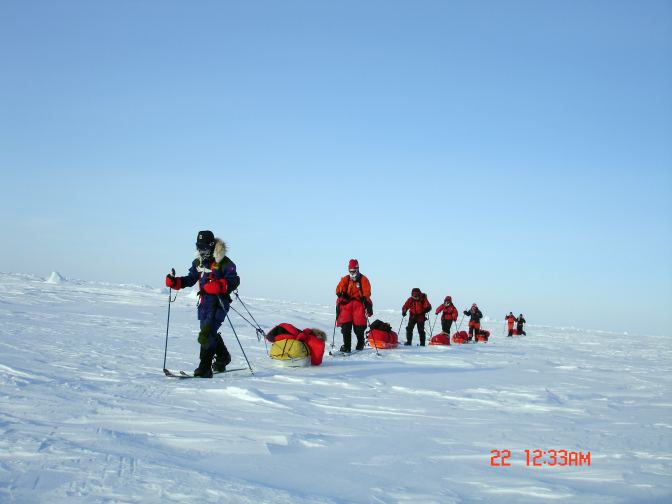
(216, 276)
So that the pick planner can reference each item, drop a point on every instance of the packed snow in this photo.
(86, 413)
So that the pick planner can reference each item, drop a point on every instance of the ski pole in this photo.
(239, 344)
(234, 332)
(333, 335)
(400, 324)
(431, 327)
(170, 300)
(460, 325)
(369, 325)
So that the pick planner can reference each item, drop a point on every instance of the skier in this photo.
(353, 305)
(510, 319)
(520, 320)
(418, 305)
(449, 314)
(474, 321)
(217, 278)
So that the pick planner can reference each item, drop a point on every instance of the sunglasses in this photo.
(354, 271)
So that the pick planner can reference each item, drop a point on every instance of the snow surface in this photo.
(87, 414)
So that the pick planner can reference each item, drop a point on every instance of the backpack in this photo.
(380, 325)
(290, 352)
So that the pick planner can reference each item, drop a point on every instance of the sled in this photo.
(482, 336)
(460, 337)
(290, 353)
(383, 339)
(440, 339)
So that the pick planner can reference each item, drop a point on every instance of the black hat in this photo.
(205, 239)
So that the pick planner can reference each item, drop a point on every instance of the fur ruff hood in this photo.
(321, 335)
(220, 250)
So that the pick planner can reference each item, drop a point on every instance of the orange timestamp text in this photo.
(542, 458)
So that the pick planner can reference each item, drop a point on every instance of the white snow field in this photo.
(87, 415)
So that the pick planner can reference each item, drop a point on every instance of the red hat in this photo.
(415, 291)
(353, 264)
(448, 299)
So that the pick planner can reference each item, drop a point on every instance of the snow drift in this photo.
(87, 415)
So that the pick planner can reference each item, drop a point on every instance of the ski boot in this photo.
(347, 337)
(359, 332)
(222, 356)
(204, 369)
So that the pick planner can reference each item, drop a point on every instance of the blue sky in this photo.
(514, 154)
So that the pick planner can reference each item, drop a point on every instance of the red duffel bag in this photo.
(383, 339)
(440, 339)
(460, 337)
(381, 335)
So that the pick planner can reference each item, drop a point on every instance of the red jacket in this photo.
(417, 307)
(351, 288)
(449, 312)
(510, 319)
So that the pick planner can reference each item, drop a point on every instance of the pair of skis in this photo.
(338, 353)
(183, 374)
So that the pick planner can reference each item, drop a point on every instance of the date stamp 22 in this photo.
(542, 458)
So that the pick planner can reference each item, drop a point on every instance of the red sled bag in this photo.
(515, 332)
(460, 337)
(381, 335)
(440, 339)
(482, 336)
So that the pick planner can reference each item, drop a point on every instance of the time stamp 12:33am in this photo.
(542, 458)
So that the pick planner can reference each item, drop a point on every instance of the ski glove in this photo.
(403, 313)
(215, 287)
(173, 282)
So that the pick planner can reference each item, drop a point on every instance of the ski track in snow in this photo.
(87, 415)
